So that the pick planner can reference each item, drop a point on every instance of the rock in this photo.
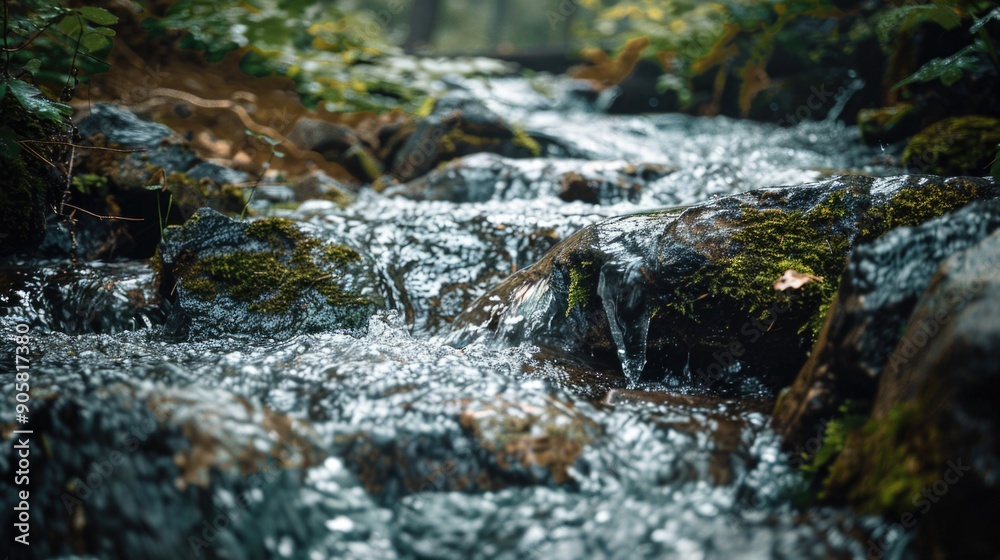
(688, 296)
(881, 286)
(930, 449)
(458, 126)
(483, 177)
(955, 146)
(161, 473)
(319, 185)
(338, 143)
(27, 185)
(269, 277)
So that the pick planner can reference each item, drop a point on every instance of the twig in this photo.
(103, 217)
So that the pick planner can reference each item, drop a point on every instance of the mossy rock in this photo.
(27, 185)
(955, 146)
(268, 277)
(929, 449)
(690, 296)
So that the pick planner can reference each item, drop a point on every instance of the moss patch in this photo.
(582, 280)
(769, 242)
(888, 461)
(271, 281)
(955, 146)
(914, 206)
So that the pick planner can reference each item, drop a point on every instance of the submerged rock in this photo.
(484, 177)
(689, 296)
(268, 277)
(164, 473)
(881, 286)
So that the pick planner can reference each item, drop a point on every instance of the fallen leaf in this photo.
(794, 280)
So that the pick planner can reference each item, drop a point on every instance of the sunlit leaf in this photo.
(94, 42)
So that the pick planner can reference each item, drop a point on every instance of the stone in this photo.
(881, 286)
(268, 277)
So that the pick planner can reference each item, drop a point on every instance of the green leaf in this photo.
(94, 42)
(34, 102)
(906, 18)
(948, 70)
(3, 89)
(33, 65)
(106, 31)
(70, 25)
(100, 16)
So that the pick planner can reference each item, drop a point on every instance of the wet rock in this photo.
(458, 126)
(338, 143)
(483, 177)
(689, 296)
(929, 453)
(955, 146)
(434, 259)
(162, 473)
(268, 277)
(880, 288)
(84, 298)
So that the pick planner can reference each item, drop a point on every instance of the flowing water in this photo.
(419, 449)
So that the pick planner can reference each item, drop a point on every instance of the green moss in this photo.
(524, 140)
(914, 206)
(834, 441)
(271, 281)
(582, 279)
(769, 242)
(955, 146)
(889, 461)
(90, 184)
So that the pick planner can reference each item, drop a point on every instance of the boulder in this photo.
(269, 277)
(881, 286)
(929, 453)
(689, 296)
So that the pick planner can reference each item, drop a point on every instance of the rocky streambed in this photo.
(567, 341)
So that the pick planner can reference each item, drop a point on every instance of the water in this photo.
(408, 447)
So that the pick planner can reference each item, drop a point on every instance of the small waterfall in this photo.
(628, 319)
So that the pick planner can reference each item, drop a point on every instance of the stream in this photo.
(404, 443)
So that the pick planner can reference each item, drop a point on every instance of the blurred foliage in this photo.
(45, 42)
(737, 38)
